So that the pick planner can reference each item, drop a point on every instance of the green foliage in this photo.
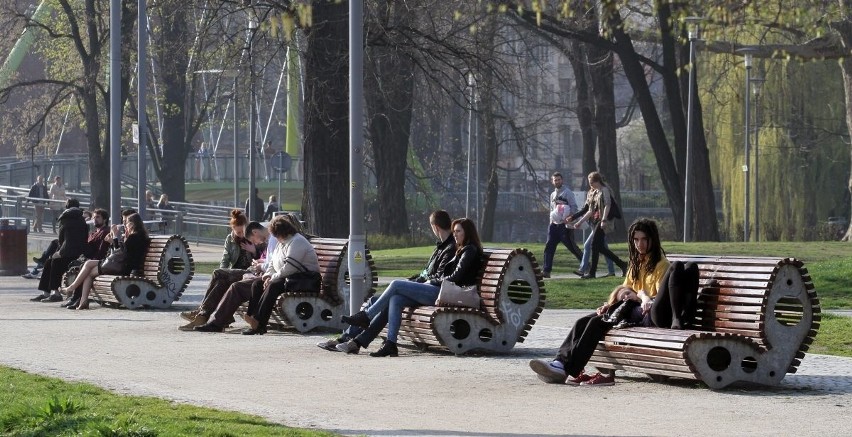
(56, 407)
(38, 406)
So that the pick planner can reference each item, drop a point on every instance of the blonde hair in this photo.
(613, 297)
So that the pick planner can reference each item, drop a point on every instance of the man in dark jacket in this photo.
(96, 247)
(255, 215)
(38, 191)
(72, 242)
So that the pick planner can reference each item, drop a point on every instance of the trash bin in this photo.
(13, 246)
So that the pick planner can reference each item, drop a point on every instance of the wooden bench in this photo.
(512, 289)
(755, 319)
(305, 311)
(168, 268)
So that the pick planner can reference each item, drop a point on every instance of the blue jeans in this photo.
(587, 255)
(365, 336)
(559, 233)
(399, 294)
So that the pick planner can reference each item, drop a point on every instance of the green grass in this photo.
(834, 337)
(291, 192)
(39, 406)
(829, 265)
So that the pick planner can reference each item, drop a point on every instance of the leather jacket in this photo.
(443, 254)
(463, 269)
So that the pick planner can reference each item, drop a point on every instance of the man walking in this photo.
(38, 191)
(562, 206)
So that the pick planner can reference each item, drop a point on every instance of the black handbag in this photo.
(620, 311)
(304, 280)
(113, 264)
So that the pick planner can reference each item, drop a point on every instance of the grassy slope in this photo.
(34, 405)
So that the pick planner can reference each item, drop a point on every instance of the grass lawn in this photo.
(828, 263)
(291, 192)
(39, 406)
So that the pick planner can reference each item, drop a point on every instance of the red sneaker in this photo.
(579, 379)
(600, 379)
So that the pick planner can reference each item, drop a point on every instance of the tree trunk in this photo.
(656, 135)
(325, 204)
(579, 63)
(844, 28)
(491, 146)
(389, 92)
(601, 69)
(173, 56)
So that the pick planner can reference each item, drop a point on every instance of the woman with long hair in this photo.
(238, 251)
(135, 246)
(645, 276)
(461, 270)
(599, 207)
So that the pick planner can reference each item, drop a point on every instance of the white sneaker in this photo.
(350, 347)
(551, 372)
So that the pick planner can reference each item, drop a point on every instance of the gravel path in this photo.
(286, 378)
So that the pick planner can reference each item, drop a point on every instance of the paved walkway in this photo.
(286, 378)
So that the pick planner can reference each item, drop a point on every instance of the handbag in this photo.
(304, 280)
(620, 311)
(456, 296)
(113, 264)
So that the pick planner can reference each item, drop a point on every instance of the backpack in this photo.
(614, 209)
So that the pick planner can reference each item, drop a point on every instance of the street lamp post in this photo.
(757, 84)
(747, 59)
(251, 126)
(694, 35)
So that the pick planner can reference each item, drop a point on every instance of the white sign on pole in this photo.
(135, 133)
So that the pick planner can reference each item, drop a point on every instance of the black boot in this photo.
(388, 349)
(251, 331)
(359, 320)
(209, 327)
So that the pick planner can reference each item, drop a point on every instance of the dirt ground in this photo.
(286, 378)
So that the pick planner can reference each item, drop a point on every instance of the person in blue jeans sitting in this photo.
(461, 270)
(354, 338)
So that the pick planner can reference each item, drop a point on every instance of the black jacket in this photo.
(38, 191)
(73, 233)
(136, 247)
(463, 269)
(443, 254)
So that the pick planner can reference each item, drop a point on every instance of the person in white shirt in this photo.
(562, 206)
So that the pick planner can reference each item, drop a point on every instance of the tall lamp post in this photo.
(252, 28)
(747, 59)
(757, 84)
(694, 34)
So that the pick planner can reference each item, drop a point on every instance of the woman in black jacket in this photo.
(135, 246)
(461, 270)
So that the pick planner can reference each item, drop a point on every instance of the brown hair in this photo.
(596, 177)
(471, 236)
(238, 218)
(280, 227)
